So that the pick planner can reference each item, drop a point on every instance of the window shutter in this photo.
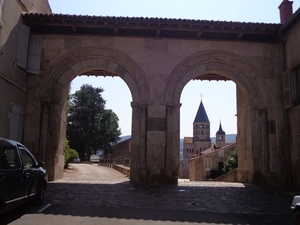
(287, 89)
(34, 55)
(22, 50)
(16, 123)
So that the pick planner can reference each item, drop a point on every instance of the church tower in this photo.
(220, 137)
(201, 130)
(193, 146)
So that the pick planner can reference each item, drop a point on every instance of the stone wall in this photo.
(291, 142)
(228, 177)
(121, 153)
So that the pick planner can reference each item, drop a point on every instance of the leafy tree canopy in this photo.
(90, 126)
(231, 161)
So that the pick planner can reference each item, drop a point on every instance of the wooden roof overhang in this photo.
(61, 24)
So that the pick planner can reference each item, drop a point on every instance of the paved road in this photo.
(91, 194)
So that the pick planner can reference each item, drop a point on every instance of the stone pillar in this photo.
(155, 144)
(264, 154)
(172, 162)
(243, 138)
(56, 140)
(260, 145)
(138, 143)
(45, 104)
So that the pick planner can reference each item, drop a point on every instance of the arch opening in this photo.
(217, 94)
(117, 98)
(226, 66)
(50, 105)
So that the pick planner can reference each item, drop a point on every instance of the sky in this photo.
(219, 98)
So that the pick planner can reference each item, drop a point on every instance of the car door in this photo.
(11, 181)
(30, 172)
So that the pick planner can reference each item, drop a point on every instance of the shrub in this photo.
(231, 162)
(70, 154)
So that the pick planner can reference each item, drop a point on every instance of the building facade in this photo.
(13, 78)
(41, 53)
(209, 165)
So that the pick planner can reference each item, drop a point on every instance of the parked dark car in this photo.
(296, 210)
(22, 178)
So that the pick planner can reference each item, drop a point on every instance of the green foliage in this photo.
(70, 154)
(110, 132)
(231, 162)
(90, 126)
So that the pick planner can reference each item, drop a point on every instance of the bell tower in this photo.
(201, 129)
(220, 137)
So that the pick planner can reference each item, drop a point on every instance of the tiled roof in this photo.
(212, 150)
(150, 27)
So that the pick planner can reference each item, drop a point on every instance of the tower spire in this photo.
(220, 136)
(201, 115)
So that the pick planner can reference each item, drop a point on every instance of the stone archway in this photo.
(45, 120)
(253, 101)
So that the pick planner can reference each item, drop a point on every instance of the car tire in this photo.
(296, 218)
(39, 199)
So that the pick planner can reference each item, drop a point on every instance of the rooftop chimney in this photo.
(285, 10)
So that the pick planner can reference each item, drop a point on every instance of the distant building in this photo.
(121, 153)
(210, 163)
(200, 143)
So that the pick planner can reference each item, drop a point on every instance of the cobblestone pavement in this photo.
(82, 186)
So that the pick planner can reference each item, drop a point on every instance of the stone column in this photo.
(265, 158)
(245, 165)
(45, 104)
(155, 144)
(260, 147)
(56, 140)
(172, 159)
(138, 143)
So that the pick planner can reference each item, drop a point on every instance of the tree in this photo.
(90, 126)
(231, 162)
(109, 131)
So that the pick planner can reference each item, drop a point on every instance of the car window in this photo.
(9, 158)
(28, 161)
